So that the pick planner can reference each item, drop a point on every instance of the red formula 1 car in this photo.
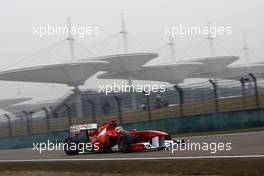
(110, 137)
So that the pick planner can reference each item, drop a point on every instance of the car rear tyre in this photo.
(168, 137)
(71, 147)
(124, 141)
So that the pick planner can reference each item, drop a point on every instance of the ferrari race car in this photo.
(109, 137)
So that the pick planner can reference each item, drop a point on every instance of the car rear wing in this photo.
(90, 126)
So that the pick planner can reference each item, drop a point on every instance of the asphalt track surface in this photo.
(242, 144)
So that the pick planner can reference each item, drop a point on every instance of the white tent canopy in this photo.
(239, 71)
(28, 107)
(173, 72)
(75, 73)
(71, 73)
(124, 62)
(9, 102)
(213, 66)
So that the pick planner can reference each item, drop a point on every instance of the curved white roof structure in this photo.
(175, 72)
(172, 73)
(213, 66)
(124, 62)
(9, 102)
(27, 107)
(71, 73)
(239, 71)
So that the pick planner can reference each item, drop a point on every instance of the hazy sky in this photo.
(145, 21)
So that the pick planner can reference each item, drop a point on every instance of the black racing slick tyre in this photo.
(124, 141)
(168, 137)
(71, 146)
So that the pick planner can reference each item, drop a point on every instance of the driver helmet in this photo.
(119, 129)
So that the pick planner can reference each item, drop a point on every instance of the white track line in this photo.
(224, 134)
(127, 159)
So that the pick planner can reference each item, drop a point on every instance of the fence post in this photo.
(47, 118)
(27, 121)
(181, 98)
(9, 124)
(148, 105)
(69, 113)
(93, 109)
(215, 95)
(243, 81)
(255, 89)
(53, 112)
(118, 102)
